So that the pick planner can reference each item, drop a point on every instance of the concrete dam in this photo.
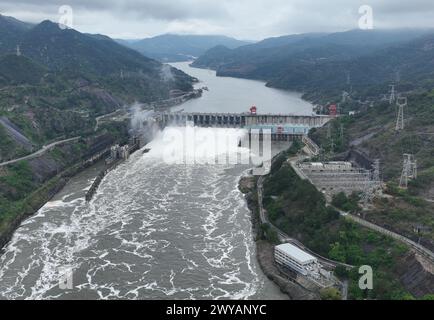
(282, 127)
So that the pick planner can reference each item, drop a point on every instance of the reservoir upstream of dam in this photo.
(153, 230)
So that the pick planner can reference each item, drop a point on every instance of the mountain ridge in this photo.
(176, 48)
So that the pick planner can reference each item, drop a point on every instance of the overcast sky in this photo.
(243, 19)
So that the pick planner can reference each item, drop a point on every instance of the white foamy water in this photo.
(154, 230)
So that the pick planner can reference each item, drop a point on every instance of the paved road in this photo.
(39, 152)
(108, 115)
(285, 238)
(417, 247)
(345, 290)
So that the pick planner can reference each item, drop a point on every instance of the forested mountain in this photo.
(16, 70)
(171, 47)
(327, 62)
(61, 80)
(11, 30)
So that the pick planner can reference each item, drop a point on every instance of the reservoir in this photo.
(153, 230)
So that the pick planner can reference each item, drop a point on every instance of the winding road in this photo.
(415, 246)
(285, 238)
(40, 152)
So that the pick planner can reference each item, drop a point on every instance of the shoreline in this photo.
(53, 186)
(264, 249)
(44, 195)
(302, 95)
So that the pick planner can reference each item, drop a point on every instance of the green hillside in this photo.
(297, 208)
(64, 79)
(372, 131)
(321, 65)
(18, 70)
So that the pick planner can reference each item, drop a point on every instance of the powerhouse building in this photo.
(292, 257)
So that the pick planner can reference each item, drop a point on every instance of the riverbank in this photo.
(26, 186)
(57, 172)
(44, 194)
(265, 249)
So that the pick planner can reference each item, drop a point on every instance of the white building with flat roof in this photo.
(292, 257)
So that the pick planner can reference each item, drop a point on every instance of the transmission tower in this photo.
(345, 96)
(368, 192)
(401, 103)
(18, 51)
(372, 183)
(392, 98)
(376, 173)
(409, 170)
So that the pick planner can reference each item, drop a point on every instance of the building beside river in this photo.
(290, 256)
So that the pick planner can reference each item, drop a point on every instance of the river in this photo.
(153, 230)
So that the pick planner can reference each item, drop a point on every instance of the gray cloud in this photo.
(246, 19)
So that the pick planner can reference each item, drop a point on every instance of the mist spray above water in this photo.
(142, 122)
(166, 73)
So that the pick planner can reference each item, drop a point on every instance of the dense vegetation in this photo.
(64, 79)
(320, 65)
(57, 86)
(372, 131)
(26, 185)
(300, 210)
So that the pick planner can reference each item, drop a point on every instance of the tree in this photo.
(330, 294)
(270, 234)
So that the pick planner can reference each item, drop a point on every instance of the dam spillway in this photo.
(281, 127)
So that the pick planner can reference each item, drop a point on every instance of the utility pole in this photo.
(401, 103)
(329, 131)
(342, 132)
(398, 76)
(392, 98)
(409, 171)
